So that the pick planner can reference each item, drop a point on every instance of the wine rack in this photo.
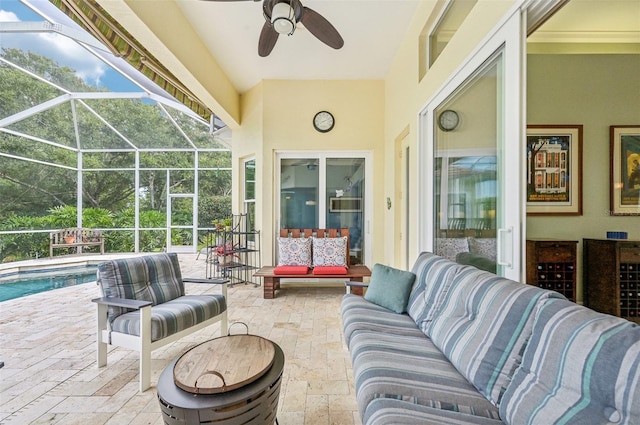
(630, 290)
(612, 277)
(551, 264)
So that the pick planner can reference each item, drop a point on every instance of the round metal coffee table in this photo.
(243, 401)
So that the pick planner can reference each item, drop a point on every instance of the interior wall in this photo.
(596, 91)
(286, 109)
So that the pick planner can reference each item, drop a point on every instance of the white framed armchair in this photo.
(144, 307)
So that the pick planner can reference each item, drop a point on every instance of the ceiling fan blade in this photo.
(268, 38)
(321, 28)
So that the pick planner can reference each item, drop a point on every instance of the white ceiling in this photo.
(372, 31)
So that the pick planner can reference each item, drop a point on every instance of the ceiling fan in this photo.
(282, 16)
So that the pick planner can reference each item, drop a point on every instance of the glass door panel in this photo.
(345, 190)
(299, 190)
(466, 169)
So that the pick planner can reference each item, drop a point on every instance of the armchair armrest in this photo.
(355, 287)
(122, 302)
(356, 284)
(219, 281)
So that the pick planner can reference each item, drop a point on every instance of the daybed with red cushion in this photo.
(311, 253)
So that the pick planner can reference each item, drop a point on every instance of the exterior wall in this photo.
(280, 118)
(247, 142)
(579, 89)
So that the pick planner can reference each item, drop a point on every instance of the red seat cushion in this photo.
(291, 270)
(329, 270)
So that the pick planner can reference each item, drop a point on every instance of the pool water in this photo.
(32, 282)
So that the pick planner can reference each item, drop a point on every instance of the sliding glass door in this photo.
(325, 190)
(472, 183)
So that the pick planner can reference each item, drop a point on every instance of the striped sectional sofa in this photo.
(476, 348)
(144, 307)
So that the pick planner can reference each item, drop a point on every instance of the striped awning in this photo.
(95, 20)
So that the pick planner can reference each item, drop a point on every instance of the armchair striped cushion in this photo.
(156, 278)
(172, 316)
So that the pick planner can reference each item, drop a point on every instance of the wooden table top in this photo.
(223, 364)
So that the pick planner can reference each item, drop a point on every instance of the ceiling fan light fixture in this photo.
(283, 18)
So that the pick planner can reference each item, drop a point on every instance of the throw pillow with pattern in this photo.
(294, 252)
(330, 251)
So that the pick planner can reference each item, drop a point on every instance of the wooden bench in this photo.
(271, 281)
(75, 237)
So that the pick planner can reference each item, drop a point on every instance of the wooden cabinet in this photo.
(551, 264)
(612, 277)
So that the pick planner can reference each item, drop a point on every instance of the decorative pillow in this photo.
(294, 252)
(450, 247)
(329, 270)
(330, 251)
(291, 270)
(390, 288)
(484, 247)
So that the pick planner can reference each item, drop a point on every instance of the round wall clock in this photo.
(323, 121)
(448, 120)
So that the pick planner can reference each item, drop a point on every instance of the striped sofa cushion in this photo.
(359, 314)
(387, 411)
(173, 316)
(434, 276)
(154, 278)
(412, 369)
(580, 367)
(484, 325)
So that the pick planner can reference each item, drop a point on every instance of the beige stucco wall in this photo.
(277, 116)
(596, 91)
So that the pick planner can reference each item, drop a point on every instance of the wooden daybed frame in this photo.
(271, 281)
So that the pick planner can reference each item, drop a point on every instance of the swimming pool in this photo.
(32, 282)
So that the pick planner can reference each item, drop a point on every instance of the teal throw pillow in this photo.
(390, 288)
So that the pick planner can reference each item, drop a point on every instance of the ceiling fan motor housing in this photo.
(282, 18)
(283, 15)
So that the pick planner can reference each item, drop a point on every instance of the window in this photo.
(249, 194)
(450, 20)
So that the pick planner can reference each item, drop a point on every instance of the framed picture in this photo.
(345, 204)
(625, 169)
(554, 170)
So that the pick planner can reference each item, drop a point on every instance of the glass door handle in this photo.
(505, 247)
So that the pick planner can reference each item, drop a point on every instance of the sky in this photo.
(61, 49)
